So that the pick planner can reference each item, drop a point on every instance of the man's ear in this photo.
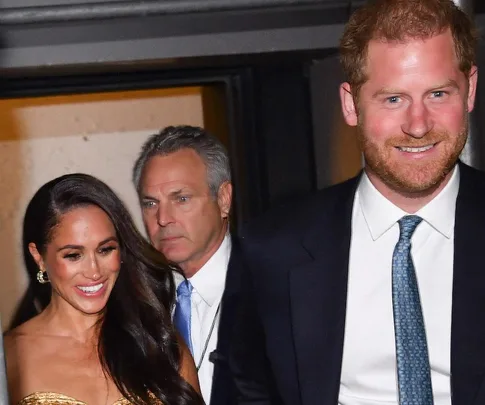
(347, 102)
(224, 198)
(472, 88)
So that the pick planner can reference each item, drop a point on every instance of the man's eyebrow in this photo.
(177, 192)
(173, 193)
(148, 197)
(449, 83)
(385, 91)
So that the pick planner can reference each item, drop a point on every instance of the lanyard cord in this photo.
(209, 336)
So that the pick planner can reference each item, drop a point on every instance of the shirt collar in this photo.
(380, 214)
(210, 279)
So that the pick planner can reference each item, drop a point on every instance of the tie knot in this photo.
(407, 225)
(184, 289)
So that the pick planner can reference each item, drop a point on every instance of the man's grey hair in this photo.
(174, 138)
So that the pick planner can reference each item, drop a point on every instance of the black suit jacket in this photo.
(223, 388)
(290, 330)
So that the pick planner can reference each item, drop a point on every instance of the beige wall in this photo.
(99, 134)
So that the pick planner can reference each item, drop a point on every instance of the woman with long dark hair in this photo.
(106, 336)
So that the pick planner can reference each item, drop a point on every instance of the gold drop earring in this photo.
(42, 277)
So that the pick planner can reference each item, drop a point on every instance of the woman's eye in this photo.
(107, 249)
(72, 256)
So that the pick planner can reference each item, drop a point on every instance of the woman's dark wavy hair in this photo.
(138, 347)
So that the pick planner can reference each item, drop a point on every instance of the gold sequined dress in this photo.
(53, 398)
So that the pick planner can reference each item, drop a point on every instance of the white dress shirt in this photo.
(369, 356)
(208, 283)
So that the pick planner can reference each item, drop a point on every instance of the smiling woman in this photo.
(106, 331)
(82, 261)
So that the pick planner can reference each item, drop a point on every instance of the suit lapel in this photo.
(222, 383)
(318, 292)
(468, 311)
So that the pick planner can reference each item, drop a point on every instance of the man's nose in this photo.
(165, 215)
(418, 121)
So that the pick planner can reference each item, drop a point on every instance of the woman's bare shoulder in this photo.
(18, 344)
(28, 328)
(32, 354)
(19, 341)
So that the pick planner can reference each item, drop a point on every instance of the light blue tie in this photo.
(413, 372)
(182, 314)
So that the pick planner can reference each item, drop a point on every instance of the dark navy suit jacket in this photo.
(290, 331)
(223, 388)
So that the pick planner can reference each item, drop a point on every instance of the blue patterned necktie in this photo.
(182, 314)
(413, 371)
